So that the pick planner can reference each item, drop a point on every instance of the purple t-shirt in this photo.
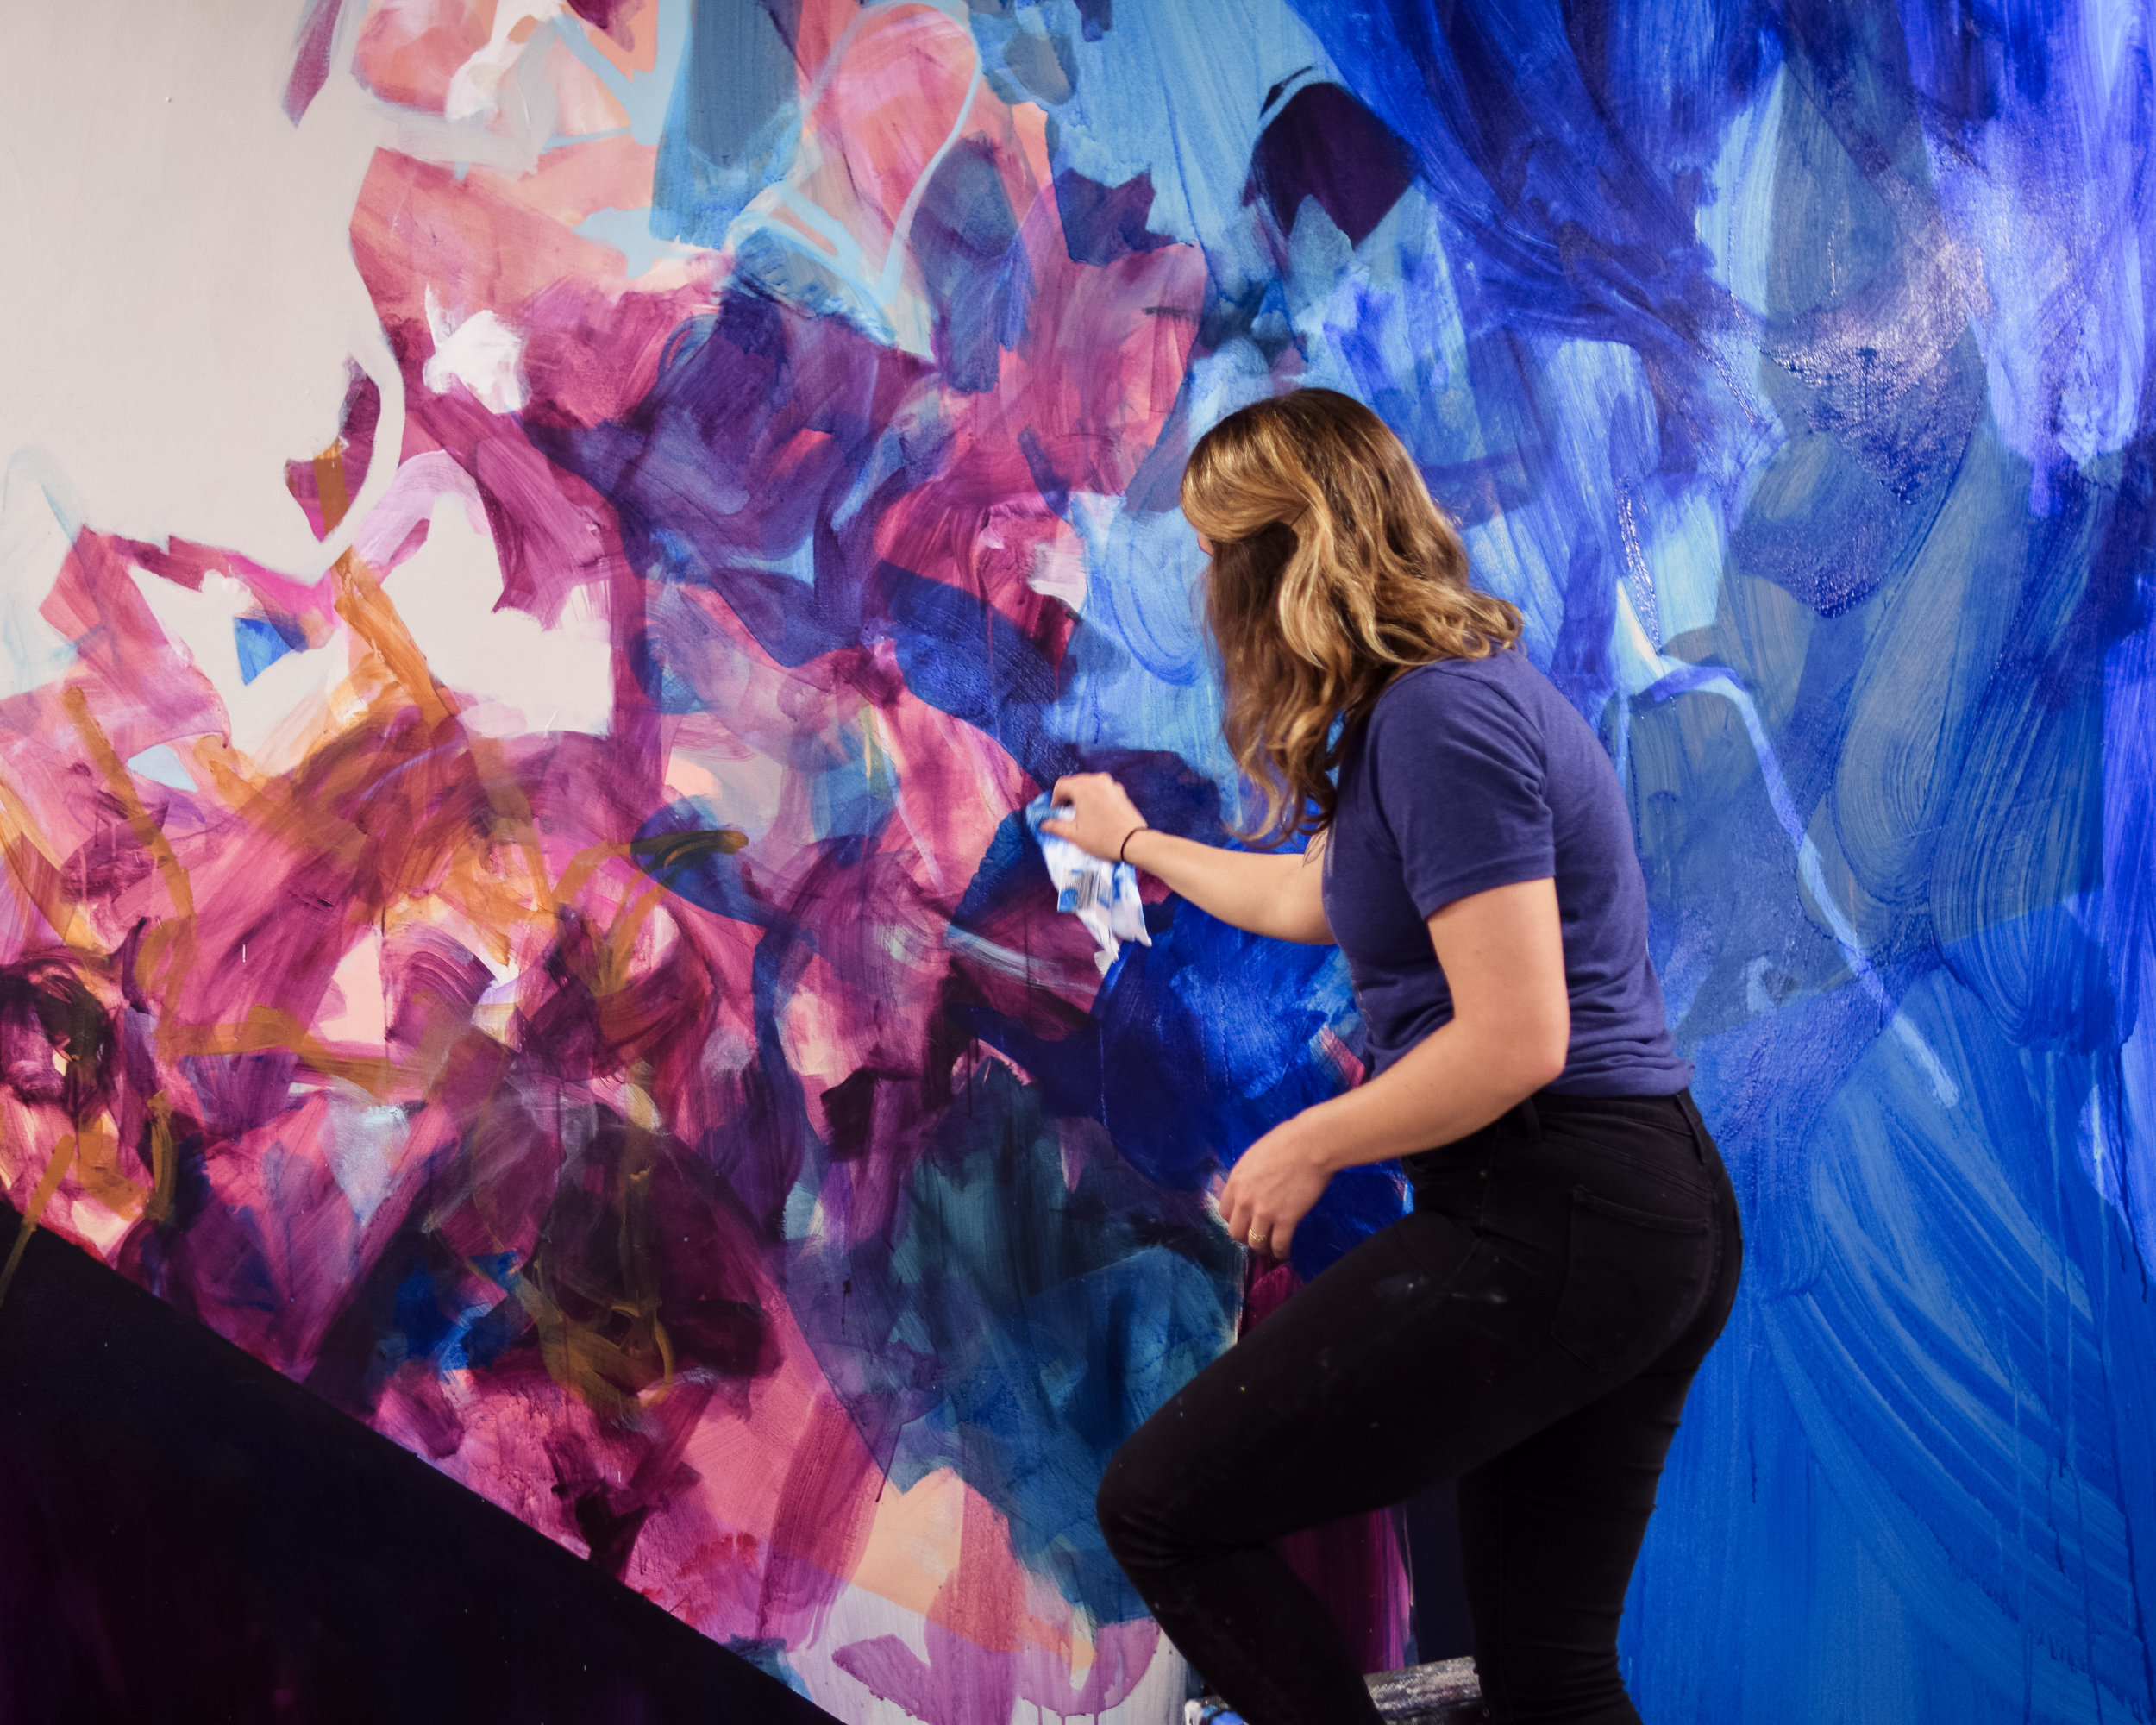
(1471, 774)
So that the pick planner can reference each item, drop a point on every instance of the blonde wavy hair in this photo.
(1333, 571)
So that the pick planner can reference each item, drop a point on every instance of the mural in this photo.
(543, 946)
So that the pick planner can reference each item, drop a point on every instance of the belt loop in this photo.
(1695, 1121)
(1530, 1123)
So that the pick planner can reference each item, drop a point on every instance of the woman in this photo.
(1533, 1326)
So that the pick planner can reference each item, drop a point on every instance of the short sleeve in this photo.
(1459, 773)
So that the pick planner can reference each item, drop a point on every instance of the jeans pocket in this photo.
(1632, 1278)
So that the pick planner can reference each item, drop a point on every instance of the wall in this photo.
(544, 546)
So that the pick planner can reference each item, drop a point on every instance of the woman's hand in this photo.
(1102, 817)
(1272, 1187)
(1281, 895)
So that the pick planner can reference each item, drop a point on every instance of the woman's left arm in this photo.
(1503, 956)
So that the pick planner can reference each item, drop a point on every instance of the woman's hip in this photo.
(1619, 1205)
(1654, 1153)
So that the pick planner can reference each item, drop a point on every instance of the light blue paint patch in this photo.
(1735, 220)
(1145, 659)
(1382, 321)
(797, 562)
(628, 232)
(35, 539)
(160, 763)
(1144, 582)
(1589, 436)
(1679, 537)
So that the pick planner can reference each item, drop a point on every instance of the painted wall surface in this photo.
(544, 546)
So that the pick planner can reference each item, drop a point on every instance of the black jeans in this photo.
(1530, 1329)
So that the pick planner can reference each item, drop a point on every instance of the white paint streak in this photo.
(1639, 666)
(363, 1146)
(475, 88)
(482, 352)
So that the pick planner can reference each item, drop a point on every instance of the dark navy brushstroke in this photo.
(1325, 146)
(1575, 231)
(1104, 223)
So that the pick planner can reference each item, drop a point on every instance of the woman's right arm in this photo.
(1269, 894)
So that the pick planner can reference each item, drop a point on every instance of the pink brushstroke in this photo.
(310, 57)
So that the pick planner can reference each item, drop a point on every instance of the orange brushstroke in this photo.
(120, 783)
(329, 487)
(505, 794)
(584, 865)
(164, 1164)
(33, 867)
(97, 1166)
(367, 611)
(271, 1028)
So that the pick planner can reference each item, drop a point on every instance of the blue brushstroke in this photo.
(964, 237)
(260, 644)
(734, 122)
(1054, 1322)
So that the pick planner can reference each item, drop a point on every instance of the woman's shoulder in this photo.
(1498, 686)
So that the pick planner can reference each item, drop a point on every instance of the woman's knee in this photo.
(1123, 1502)
(1135, 1503)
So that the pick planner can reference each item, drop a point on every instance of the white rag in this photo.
(1103, 895)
